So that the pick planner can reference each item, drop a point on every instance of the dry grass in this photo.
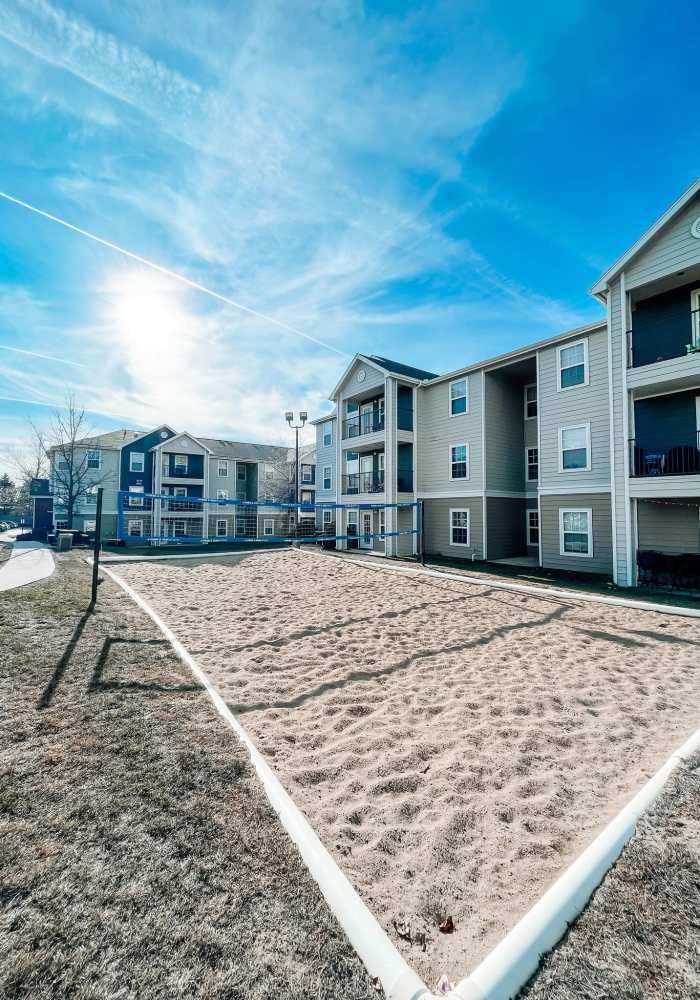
(640, 935)
(138, 856)
(5, 550)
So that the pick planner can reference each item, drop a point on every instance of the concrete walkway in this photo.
(28, 563)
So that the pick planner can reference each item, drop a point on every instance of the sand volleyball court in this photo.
(454, 746)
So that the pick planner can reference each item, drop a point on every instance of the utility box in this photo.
(64, 541)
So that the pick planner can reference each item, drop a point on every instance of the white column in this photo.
(390, 544)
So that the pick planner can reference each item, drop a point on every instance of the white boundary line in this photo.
(513, 961)
(621, 602)
(371, 943)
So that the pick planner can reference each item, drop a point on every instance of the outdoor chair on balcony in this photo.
(648, 566)
(682, 460)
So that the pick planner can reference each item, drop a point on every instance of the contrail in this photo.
(45, 357)
(171, 274)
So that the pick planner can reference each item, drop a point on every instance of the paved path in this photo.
(28, 562)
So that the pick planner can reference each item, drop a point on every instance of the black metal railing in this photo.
(678, 460)
(691, 345)
(661, 569)
(363, 423)
(182, 504)
(363, 482)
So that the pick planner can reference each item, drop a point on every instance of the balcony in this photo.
(363, 423)
(182, 505)
(676, 460)
(363, 482)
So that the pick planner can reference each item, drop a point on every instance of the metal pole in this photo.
(296, 469)
(96, 550)
(421, 540)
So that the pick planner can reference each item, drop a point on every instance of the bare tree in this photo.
(32, 460)
(74, 477)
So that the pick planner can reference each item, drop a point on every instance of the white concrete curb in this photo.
(522, 588)
(510, 965)
(368, 939)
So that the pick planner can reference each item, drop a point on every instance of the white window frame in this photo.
(565, 347)
(219, 522)
(62, 464)
(456, 381)
(268, 522)
(459, 479)
(93, 451)
(87, 524)
(575, 427)
(165, 465)
(307, 474)
(576, 510)
(183, 522)
(130, 525)
(329, 477)
(327, 432)
(140, 455)
(461, 510)
(181, 465)
(528, 449)
(327, 517)
(531, 385)
(222, 495)
(132, 500)
(222, 463)
(528, 527)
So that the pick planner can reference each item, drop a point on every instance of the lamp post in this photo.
(289, 417)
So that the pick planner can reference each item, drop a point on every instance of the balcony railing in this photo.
(363, 423)
(677, 345)
(363, 482)
(678, 460)
(182, 504)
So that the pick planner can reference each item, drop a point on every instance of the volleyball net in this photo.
(180, 519)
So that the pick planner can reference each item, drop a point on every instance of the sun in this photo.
(146, 317)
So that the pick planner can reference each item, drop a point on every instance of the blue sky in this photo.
(435, 183)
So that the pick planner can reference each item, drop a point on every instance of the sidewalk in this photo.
(28, 563)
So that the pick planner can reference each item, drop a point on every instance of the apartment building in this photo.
(572, 453)
(187, 468)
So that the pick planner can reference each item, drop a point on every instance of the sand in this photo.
(454, 746)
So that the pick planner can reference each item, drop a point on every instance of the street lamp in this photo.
(303, 417)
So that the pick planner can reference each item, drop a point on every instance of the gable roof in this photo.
(598, 289)
(111, 439)
(400, 369)
(243, 451)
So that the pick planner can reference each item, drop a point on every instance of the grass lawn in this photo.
(639, 936)
(5, 550)
(138, 855)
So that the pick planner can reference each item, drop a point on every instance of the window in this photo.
(179, 529)
(136, 461)
(61, 524)
(180, 464)
(91, 496)
(459, 526)
(533, 527)
(94, 458)
(327, 517)
(695, 315)
(269, 526)
(382, 522)
(574, 448)
(459, 461)
(532, 465)
(327, 434)
(307, 496)
(575, 532)
(459, 397)
(307, 473)
(327, 477)
(222, 468)
(221, 528)
(269, 471)
(241, 471)
(530, 401)
(292, 521)
(222, 494)
(136, 501)
(63, 464)
(572, 362)
(165, 465)
(135, 529)
(89, 526)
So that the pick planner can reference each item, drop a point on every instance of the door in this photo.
(351, 530)
(366, 477)
(366, 533)
(367, 411)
